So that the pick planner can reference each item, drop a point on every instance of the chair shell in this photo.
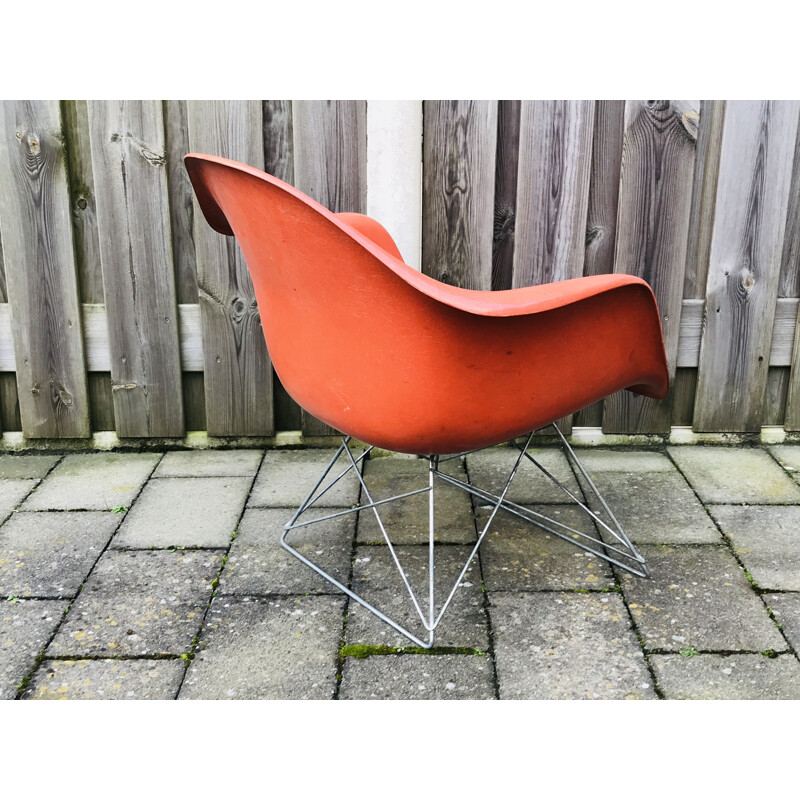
(399, 360)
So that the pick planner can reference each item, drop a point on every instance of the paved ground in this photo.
(160, 576)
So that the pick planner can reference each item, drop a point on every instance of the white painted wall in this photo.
(394, 172)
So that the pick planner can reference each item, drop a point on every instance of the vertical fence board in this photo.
(238, 373)
(655, 197)
(555, 152)
(505, 193)
(129, 164)
(279, 161)
(3, 290)
(330, 165)
(181, 208)
(752, 198)
(83, 201)
(458, 167)
(601, 217)
(40, 270)
(9, 402)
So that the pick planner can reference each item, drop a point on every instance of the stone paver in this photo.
(786, 608)
(93, 482)
(106, 679)
(209, 464)
(654, 507)
(26, 466)
(418, 677)
(698, 597)
(257, 564)
(25, 627)
(735, 475)
(406, 521)
(516, 555)
(732, 677)
(50, 553)
(489, 470)
(260, 648)
(148, 602)
(375, 578)
(184, 512)
(287, 476)
(789, 457)
(566, 646)
(12, 493)
(599, 460)
(767, 539)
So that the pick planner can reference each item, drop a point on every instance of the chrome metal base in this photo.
(610, 544)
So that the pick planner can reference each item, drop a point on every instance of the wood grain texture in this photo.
(655, 196)
(789, 286)
(752, 198)
(330, 164)
(75, 115)
(505, 193)
(130, 179)
(39, 259)
(704, 197)
(775, 396)
(238, 372)
(3, 289)
(458, 169)
(279, 161)
(9, 403)
(555, 152)
(181, 207)
(601, 217)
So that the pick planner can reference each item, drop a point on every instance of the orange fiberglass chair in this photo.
(400, 361)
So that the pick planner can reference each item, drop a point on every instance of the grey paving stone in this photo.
(597, 460)
(375, 578)
(93, 481)
(418, 677)
(767, 539)
(406, 521)
(184, 512)
(735, 475)
(554, 646)
(698, 596)
(12, 494)
(789, 457)
(732, 677)
(489, 470)
(209, 464)
(257, 564)
(50, 553)
(145, 602)
(786, 608)
(106, 679)
(26, 466)
(259, 648)
(655, 507)
(517, 556)
(25, 627)
(287, 476)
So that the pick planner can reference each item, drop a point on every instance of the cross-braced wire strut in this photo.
(609, 543)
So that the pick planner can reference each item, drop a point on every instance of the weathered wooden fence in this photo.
(120, 309)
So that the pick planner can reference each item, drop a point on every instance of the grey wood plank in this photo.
(505, 193)
(758, 142)
(279, 161)
(75, 115)
(181, 207)
(39, 257)
(238, 372)
(775, 396)
(601, 217)
(3, 289)
(9, 402)
(655, 196)
(704, 197)
(458, 156)
(555, 152)
(329, 139)
(130, 180)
